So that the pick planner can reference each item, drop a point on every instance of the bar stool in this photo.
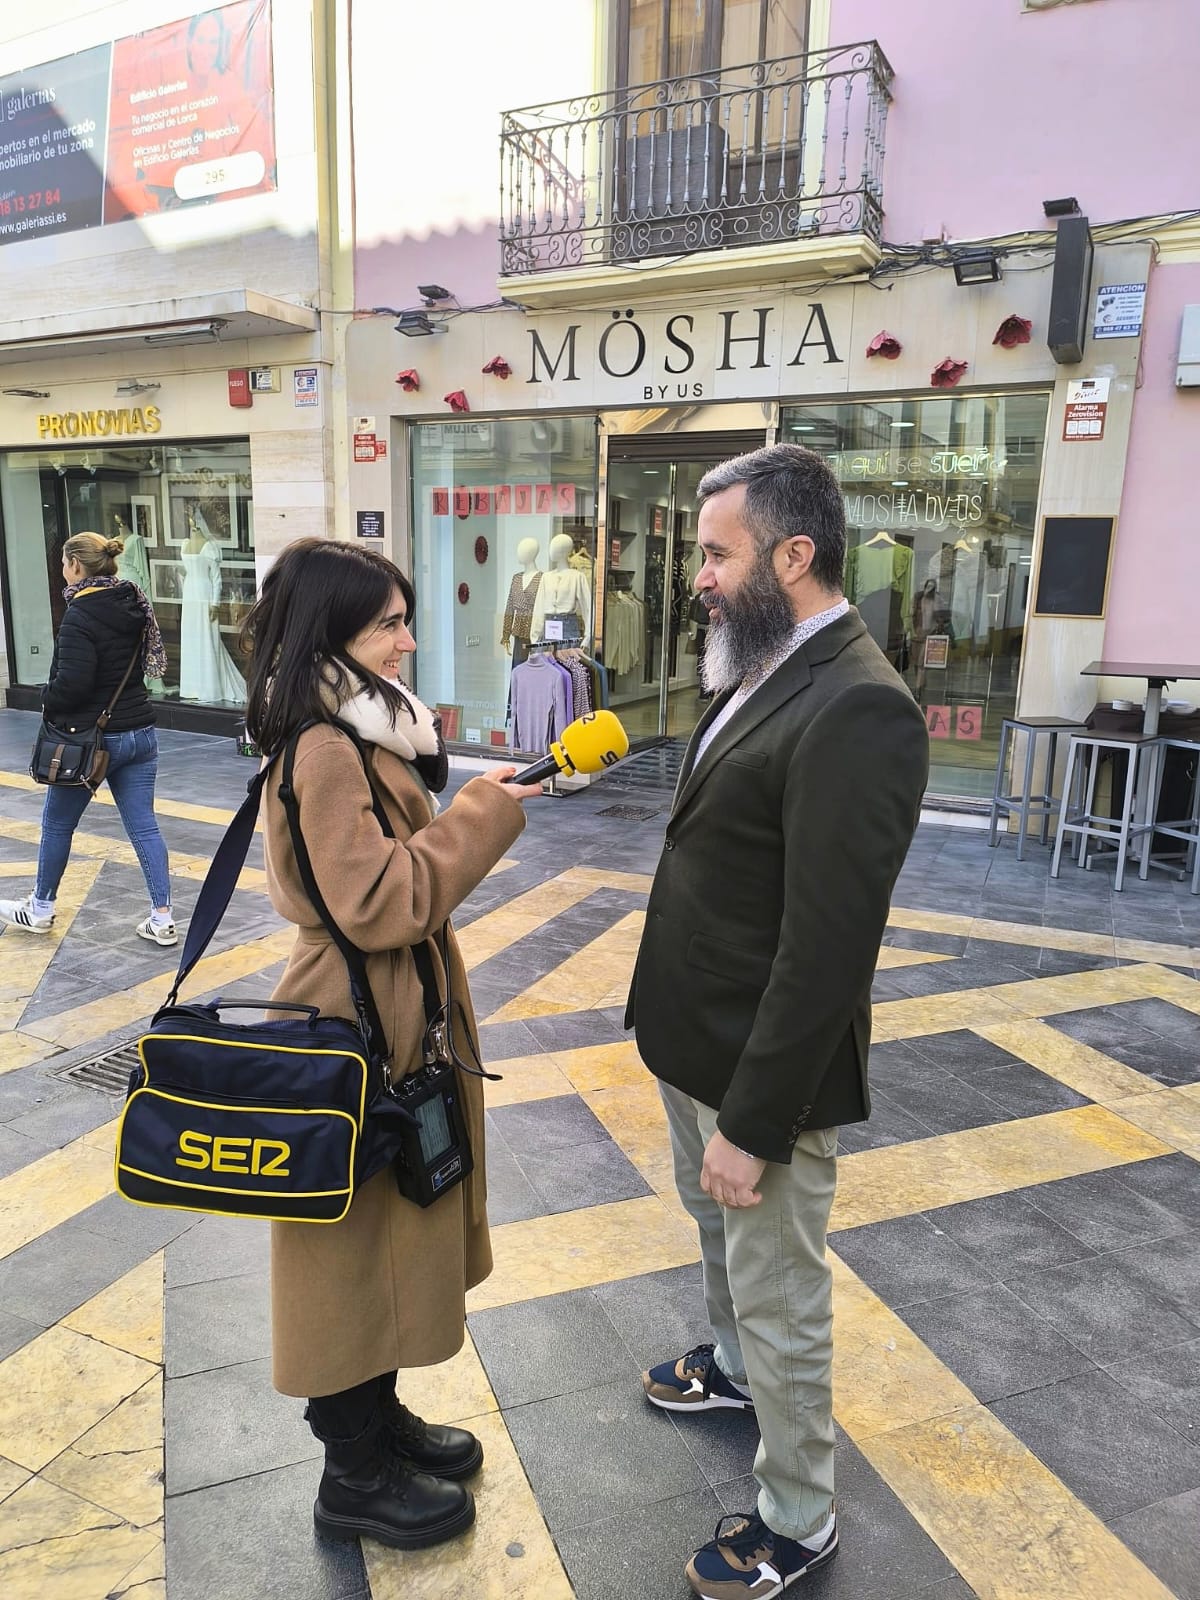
(1023, 801)
(1187, 830)
(1079, 817)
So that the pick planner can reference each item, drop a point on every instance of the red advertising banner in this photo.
(503, 499)
(523, 499)
(440, 502)
(178, 116)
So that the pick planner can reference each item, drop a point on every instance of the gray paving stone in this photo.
(558, 1345)
(659, 1315)
(590, 1175)
(229, 1423)
(572, 1030)
(1172, 1182)
(907, 1260)
(1099, 1209)
(1164, 1537)
(535, 1127)
(1170, 1268)
(16, 1332)
(148, 1228)
(600, 1452)
(994, 1343)
(1107, 1029)
(1023, 1091)
(68, 1116)
(253, 1539)
(57, 1272)
(641, 1551)
(510, 1195)
(17, 1150)
(1006, 1233)
(723, 1443)
(218, 1247)
(1104, 1306)
(1168, 1381)
(888, 1124)
(217, 1324)
(1072, 1426)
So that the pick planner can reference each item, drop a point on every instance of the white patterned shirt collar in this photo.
(801, 634)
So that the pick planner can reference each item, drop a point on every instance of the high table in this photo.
(1156, 677)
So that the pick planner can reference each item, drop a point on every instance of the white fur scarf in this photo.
(368, 716)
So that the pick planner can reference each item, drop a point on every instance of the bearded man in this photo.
(798, 799)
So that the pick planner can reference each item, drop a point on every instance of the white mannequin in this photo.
(527, 555)
(563, 590)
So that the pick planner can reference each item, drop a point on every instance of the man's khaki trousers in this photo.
(769, 1294)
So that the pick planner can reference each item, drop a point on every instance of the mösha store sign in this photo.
(673, 356)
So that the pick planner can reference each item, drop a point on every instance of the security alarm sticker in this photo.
(1087, 409)
(1119, 310)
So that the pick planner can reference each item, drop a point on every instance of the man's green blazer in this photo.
(752, 989)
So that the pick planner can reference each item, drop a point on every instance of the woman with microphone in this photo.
(384, 1289)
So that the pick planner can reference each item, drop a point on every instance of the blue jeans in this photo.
(132, 768)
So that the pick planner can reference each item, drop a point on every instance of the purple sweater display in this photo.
(539, 704)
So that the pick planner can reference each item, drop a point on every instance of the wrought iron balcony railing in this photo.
(773, 151)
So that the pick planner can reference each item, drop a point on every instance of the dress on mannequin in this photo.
(206, 669)
(518, 611)
(564, 597)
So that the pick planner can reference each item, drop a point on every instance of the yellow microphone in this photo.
(589, 744)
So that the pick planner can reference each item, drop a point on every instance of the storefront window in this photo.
(505, 555)
(186, 515)
(941, 498)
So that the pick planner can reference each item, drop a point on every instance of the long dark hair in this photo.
(316, 598)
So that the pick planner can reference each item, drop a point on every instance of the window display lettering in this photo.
(439, 502)
(180, 115)
(940, 535)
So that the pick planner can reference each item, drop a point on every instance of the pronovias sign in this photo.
(665, 357)
(99, 424)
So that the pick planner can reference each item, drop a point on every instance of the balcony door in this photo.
(705, 154)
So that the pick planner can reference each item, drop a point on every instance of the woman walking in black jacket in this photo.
(107, 620)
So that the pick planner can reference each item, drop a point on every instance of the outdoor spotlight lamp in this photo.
(976, 266)
(1068, 207)
(416, 325)
(433, 292)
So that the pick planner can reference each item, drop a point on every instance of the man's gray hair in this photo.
(789, 491)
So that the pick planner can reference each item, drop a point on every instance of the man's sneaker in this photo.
(20, 914)
(746, 1561)
(694, 1383)
(158, 932)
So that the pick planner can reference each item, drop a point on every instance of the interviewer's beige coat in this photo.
(386, 1287)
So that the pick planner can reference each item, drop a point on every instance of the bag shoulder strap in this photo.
(102, 720)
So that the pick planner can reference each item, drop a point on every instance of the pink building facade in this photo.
(687, 243)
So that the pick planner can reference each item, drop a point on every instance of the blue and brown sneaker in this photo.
(746, 1561)
(695, 1383)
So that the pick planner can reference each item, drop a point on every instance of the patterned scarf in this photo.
(154, 652)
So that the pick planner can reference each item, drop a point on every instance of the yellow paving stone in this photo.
(1079, 1066)
(1172, 1115)
(1075, 991)
(931, 921)
(136, 1424)
(25, 957)
(130, 1484)
(883, 1376)
(1060, 1144)
(1012, 1529)
(21, 1050)
(939, 1013)
(181, 809)
(898, 1180)
(507, 1555)
(43, 1193)
(62, 1548)
(454, 1391)
(128, 1314)
(57, 1387)
(582, 981)
(894, 955)
(100, 848)
(635, 1118)
(496, 930)
(505, 864)
(603, 1066)
(148, 1580)
(525, 1078)
(578, 1249)
(11, 1477)
(18, 869)
(1149, 950)
(602, 878)
(1178, 988)
(1036, 936)
(83, 1023)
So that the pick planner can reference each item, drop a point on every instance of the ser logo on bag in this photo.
(225, 1154)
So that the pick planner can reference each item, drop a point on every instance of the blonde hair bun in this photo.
(114, 547)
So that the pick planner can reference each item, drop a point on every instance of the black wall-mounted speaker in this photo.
(1070, 290)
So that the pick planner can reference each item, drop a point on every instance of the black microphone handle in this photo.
(547, 767)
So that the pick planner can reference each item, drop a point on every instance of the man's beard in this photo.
(749, 629)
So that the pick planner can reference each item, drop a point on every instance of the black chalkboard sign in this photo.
(1073, 571)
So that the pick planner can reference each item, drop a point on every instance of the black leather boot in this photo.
(428, 1447)
(368, 1490)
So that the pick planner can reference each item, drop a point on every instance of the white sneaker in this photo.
(20, 914)
(158, 932)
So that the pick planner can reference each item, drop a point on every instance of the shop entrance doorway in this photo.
(654, 624)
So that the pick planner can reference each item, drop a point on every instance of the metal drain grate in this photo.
(629, 813)
(108, 1073)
